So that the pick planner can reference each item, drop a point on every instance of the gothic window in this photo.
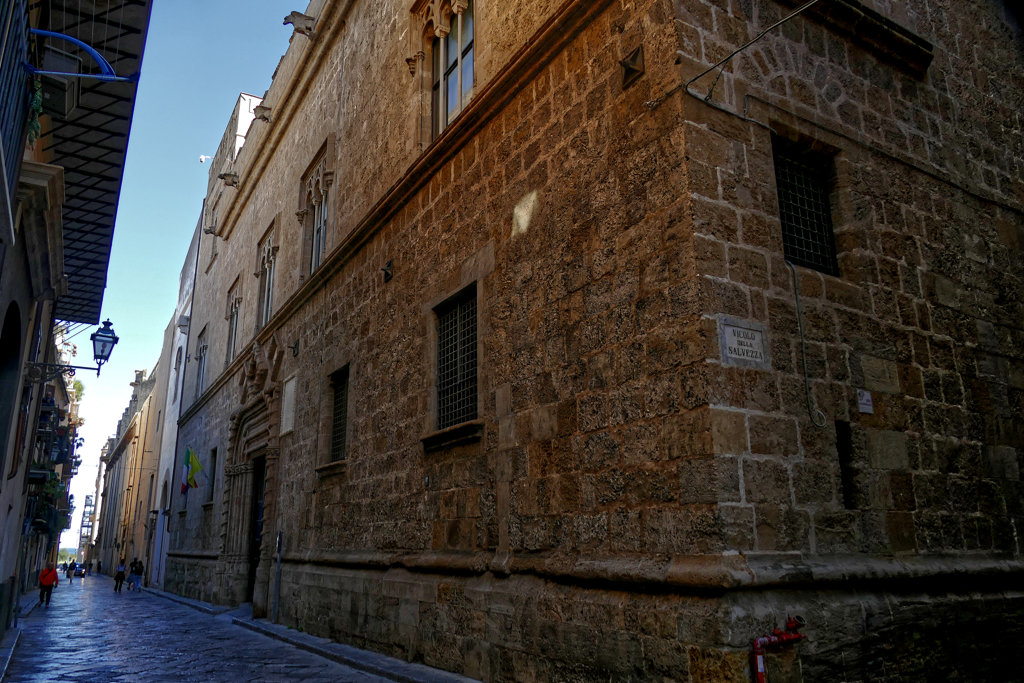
(201, 349)
(450, 35)
(313, 206)
(177, 374)
(267, 256)
(457, 360)
(234, 306)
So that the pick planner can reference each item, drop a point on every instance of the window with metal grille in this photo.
(456, 361)
(808, 238)
(339, 419)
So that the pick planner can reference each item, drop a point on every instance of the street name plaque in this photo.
(744, 343)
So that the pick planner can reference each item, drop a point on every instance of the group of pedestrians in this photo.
(135, 571)
(49, 577)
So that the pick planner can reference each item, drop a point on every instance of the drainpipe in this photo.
(777, 637)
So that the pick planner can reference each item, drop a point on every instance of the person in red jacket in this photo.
(48, 578)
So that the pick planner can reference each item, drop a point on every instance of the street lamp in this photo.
(103, 341)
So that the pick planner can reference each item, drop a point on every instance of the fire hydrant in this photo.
(790, 635)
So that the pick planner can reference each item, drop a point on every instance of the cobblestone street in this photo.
(89, 634)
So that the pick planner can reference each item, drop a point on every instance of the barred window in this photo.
(808, 238)
(456, 361)
(339, 421)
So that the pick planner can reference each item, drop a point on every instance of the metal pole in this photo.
(277, 582)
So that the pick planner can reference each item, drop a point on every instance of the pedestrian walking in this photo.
(119, 576)
(88, 568)
(71, 572)
(140, 569)
(48, 579)
(134, 575)
(99, 566)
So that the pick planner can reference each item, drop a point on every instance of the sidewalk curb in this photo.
(364, 660)
(27, 610)
(199, 605)
(7, 646)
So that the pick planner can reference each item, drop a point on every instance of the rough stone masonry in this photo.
(675, 438)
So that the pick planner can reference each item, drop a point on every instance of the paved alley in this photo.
(89, 634)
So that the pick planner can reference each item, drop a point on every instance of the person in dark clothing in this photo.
(136, 576)
(119, 576)
(48, 578)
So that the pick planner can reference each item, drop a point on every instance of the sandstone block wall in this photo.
(635, 508)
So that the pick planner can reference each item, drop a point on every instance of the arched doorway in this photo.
(10, 366)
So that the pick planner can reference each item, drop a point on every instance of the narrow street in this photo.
(89, 634)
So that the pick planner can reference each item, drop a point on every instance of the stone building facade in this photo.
(128, 514)
(512, 360)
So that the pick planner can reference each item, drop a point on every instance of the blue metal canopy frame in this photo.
(106, 74)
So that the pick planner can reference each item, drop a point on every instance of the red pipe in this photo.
(777, 637)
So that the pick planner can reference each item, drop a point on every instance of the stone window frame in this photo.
(317, 181)
(232, 314)
(432, 21)
(211, 477)
(200, 354)
(474, 271)
(824, 158)
(266, 260)
(178, 383)
(325, 466)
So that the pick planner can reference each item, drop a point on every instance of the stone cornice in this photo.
(714, 573)
(286, 103)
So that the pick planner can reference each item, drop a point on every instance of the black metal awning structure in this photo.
(92, 140)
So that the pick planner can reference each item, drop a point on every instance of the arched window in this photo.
(452, 58)
(177, 374)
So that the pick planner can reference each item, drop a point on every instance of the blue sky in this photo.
(199, 56)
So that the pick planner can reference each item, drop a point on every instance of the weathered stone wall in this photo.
(635, 508)
(926, 313)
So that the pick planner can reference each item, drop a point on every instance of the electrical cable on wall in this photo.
(653, 104)
(816, 414)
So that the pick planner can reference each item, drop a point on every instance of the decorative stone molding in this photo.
(240, 468)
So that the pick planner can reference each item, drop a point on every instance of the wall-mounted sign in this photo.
(865, 402)
(744, 343)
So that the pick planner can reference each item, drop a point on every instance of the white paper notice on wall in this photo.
(867, 405)
(288, 406)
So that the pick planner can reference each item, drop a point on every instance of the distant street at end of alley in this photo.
(89, 634)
